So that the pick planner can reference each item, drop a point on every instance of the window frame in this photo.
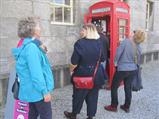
(63, 6)
(149, 3)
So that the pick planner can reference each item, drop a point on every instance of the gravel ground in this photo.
(145, 103)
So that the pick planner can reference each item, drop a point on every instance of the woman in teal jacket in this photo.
(34, 71)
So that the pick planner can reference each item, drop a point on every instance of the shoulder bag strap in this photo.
(97, 65)
(23, 48)
(135, 52)
(19, 56)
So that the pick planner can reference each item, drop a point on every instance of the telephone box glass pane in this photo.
(122, 22)
(122, 29)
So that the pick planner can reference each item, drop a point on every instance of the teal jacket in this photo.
(34, 72)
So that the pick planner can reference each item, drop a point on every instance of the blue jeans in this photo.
(40, 108)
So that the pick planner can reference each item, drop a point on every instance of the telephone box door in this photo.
(114, 17)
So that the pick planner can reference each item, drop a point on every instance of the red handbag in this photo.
(86, 82)
(83, 82)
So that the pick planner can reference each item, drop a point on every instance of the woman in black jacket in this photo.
(83, 62)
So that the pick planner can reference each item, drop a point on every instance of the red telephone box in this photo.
(114, 17)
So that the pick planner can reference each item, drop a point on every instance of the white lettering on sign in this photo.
(100, 10)
(119, 9)
(21, 111)
(20, 117)
(22, 104)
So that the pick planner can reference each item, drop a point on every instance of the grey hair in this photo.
(26, 26)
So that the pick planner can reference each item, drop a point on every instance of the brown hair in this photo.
(139, 36)
(99, 29)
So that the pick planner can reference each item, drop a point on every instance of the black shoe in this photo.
(126, 109)
(70, 115)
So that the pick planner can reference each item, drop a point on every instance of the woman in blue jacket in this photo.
(34, 70)
(128, 55)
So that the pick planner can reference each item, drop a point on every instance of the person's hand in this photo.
(47, 97)
(72, 67)
(44, 48)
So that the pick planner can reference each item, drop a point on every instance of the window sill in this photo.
(62, 23)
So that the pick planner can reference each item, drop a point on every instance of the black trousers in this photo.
(89, 96)
(40, 108)
(119, 76)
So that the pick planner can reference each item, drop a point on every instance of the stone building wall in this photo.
(11, 12)
(60, 38)
(138, 15)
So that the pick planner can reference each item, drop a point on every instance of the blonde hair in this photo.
(139, 36)
(91, 31)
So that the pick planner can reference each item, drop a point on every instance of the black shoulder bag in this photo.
(15, 88)
(137, 80)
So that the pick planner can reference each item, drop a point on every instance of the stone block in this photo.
(58, 30)
(156, 16)
(45, 24)
(4, 67)
(3, 91)
(148, 57)
(8, 27)
(1, 96)
(41, 8)
(57, 58)
(156, 56)
(7, 44)
(142, 58)
(16, 9)
(61, 76)
(137, 8)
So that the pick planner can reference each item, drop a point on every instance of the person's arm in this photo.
(34, 65)
(75, 58)
(139, 54)
(119, 52)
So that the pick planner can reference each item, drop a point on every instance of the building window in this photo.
(62, 12)
(149, 15)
